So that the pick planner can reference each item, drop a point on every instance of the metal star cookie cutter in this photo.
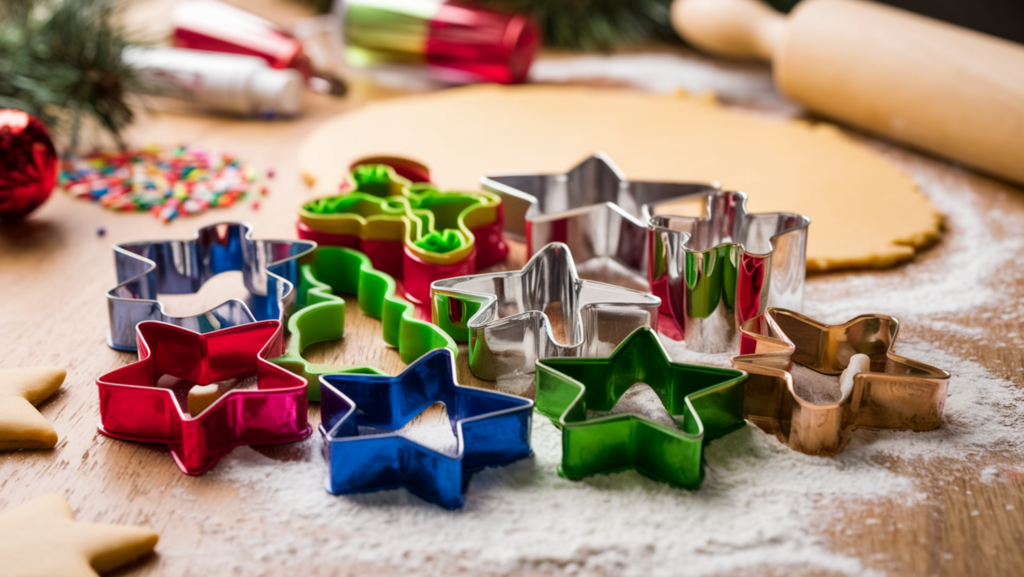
(148, 268)
(715, 272)
(412, 231)
(361, 416)
(135, 407)
(333, 270)
(705, 402)
(594, 209)
(896, 393)
(504, 316)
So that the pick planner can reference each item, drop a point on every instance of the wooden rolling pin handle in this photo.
(735, 28)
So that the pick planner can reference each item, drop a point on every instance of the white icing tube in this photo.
(858, 364)
(229, 83)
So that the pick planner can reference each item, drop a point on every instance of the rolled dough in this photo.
(864, 211)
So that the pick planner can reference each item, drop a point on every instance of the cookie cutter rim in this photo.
(522, 206)
(483, 211)
(233, 402)
(573, 417)
(320, 306)
(769, 351)
(336, 403)
(555, 260)
(790, 233)
(138, 275)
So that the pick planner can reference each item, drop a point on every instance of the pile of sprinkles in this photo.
(167, 181)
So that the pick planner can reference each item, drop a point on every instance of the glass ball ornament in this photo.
(28, 164)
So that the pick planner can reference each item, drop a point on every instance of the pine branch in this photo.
(593, 24)
(61, 59)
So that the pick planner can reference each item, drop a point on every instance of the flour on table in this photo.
(760, 502)
(431, 428)
(640, 400)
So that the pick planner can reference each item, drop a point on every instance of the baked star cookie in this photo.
(21, 389)
(42, 539)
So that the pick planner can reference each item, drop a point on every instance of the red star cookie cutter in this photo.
(137, 403)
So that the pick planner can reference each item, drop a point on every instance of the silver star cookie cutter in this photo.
(714, 273)
(148, 268)
(505, 316)
(594, 209)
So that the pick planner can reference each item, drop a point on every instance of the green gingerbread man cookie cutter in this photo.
(336, 270)
(436, 225)
(706, 403)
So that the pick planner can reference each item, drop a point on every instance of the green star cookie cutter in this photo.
(706, 402)
(335, 270)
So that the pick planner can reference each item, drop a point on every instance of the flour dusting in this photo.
(642, 401)
(760, 503)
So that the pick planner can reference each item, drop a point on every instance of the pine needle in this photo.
(61, 59)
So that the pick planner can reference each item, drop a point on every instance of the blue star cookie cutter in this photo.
(362, 414)
(147, 268)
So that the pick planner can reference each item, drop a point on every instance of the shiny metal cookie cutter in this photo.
(705, 402)
(713, 273)
(594, 209)
(332, 271)
(362, 414)
(895, 393)
(136, 406)
(148, 268)
(504, 316)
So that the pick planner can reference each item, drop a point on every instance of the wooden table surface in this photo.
(55, 269)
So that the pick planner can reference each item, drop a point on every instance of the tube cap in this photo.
(277, 92)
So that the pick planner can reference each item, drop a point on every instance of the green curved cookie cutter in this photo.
(706, 402)
(385, 206)
(336, 270)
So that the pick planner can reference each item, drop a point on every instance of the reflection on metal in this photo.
(504, 315)
(895, 393)
(145, 269)
(593, 209)
(713, 273)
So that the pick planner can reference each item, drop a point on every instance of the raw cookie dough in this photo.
(41, 538)
(864, 211)
(21, 425)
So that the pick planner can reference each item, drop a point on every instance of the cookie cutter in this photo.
(894, 393)
(504, 316)
(414, 232)
(134, 406)
(594, 209)
(713, 273)
(148, 268)
(362, 414)
(705, 402)
(334, 270)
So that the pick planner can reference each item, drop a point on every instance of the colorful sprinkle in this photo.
(101, 231)
(168, 182)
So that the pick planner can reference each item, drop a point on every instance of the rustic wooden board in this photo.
(54, 270)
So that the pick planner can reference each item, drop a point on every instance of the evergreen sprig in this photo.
(593, 24)
(61, 59)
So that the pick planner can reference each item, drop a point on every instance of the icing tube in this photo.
(219, 27)
(229, 83)
(467, 43)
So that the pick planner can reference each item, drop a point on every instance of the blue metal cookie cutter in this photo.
(148, 268)
(491, 429)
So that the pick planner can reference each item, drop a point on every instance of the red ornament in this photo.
(28, 164)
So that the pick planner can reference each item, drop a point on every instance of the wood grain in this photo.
(54, 270)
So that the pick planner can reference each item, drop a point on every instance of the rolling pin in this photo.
(934, 86)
